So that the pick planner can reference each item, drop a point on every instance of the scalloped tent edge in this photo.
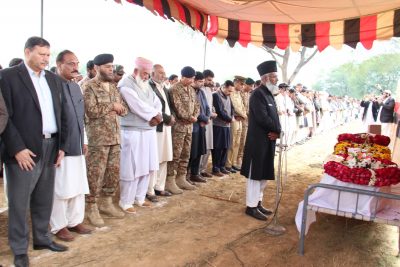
(364, 29)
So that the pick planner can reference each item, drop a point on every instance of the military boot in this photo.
(183, 184)
(92, 213)
(170, 185)
(107, 207)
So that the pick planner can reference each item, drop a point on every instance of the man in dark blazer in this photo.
(71, 182)
(387, 103)
(386, 117)
(259, 152)
(34, 144)
(157, 184)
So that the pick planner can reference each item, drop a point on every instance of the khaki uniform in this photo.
(185, 105)
(236, 128)
(103, 131)
(245, 123)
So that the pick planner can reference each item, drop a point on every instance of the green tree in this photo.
(357, 79)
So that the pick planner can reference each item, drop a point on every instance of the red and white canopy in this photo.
(284, 23)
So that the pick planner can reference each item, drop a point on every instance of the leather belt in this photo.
(48, 135)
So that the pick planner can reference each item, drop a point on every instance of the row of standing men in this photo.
(159, 133)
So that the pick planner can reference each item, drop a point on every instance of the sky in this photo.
(92, 27)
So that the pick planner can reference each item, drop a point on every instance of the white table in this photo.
(327, 198)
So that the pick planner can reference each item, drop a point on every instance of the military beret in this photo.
(249, 81)
(188, 72)
(239, 78)
(198, 76)
(103, 59)
(119, 69)
(267, 67)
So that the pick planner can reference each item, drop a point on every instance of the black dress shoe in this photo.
(224, 171)
(152, 198)
(218, 174)
(197, 178)
(236, 168)
(53, 246)
(163, 193)
(255, 213)
(230, 170)
(263, 210)
(21, 260)
(206, 175)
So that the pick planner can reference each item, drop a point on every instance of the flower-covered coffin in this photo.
(363, 159)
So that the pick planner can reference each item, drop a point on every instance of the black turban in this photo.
(267, 67)
(103, 59)
(188, 72)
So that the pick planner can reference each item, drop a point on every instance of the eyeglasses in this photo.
(72, 64)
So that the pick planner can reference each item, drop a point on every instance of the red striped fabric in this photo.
(322, 35)
(158, 7)
(368, 31)
(198, 18)
(282, 35)
(244, 33)
(212, 32)
(181, 11)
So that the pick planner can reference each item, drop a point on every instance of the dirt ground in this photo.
(199, 229)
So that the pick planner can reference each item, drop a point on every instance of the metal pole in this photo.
(41, 18)
(274, 228)
(205, 52)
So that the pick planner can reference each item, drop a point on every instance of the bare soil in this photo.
(208, 227)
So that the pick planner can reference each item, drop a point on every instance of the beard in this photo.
(274, 89)
(143, 84)
(106, 77)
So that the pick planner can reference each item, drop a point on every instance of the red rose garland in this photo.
(362, 138)
(388, 174)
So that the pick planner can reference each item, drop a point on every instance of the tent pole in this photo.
(41, 19)
(205, 52)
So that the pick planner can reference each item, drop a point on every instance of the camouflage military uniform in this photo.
(103, 133)
(236, 128)
(245, 97)
(184, 104)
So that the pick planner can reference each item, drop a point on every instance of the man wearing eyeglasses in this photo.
(71, 183)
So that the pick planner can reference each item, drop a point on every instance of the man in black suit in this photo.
(34, 142)
(386, 116)
(259, 151)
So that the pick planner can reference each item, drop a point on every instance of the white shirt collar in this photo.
(32, 72)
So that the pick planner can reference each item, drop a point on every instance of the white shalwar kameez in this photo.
(369, 118)
(280, 101)
(165, 152)
(70, 187)
(254, 191)
(139, 155)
